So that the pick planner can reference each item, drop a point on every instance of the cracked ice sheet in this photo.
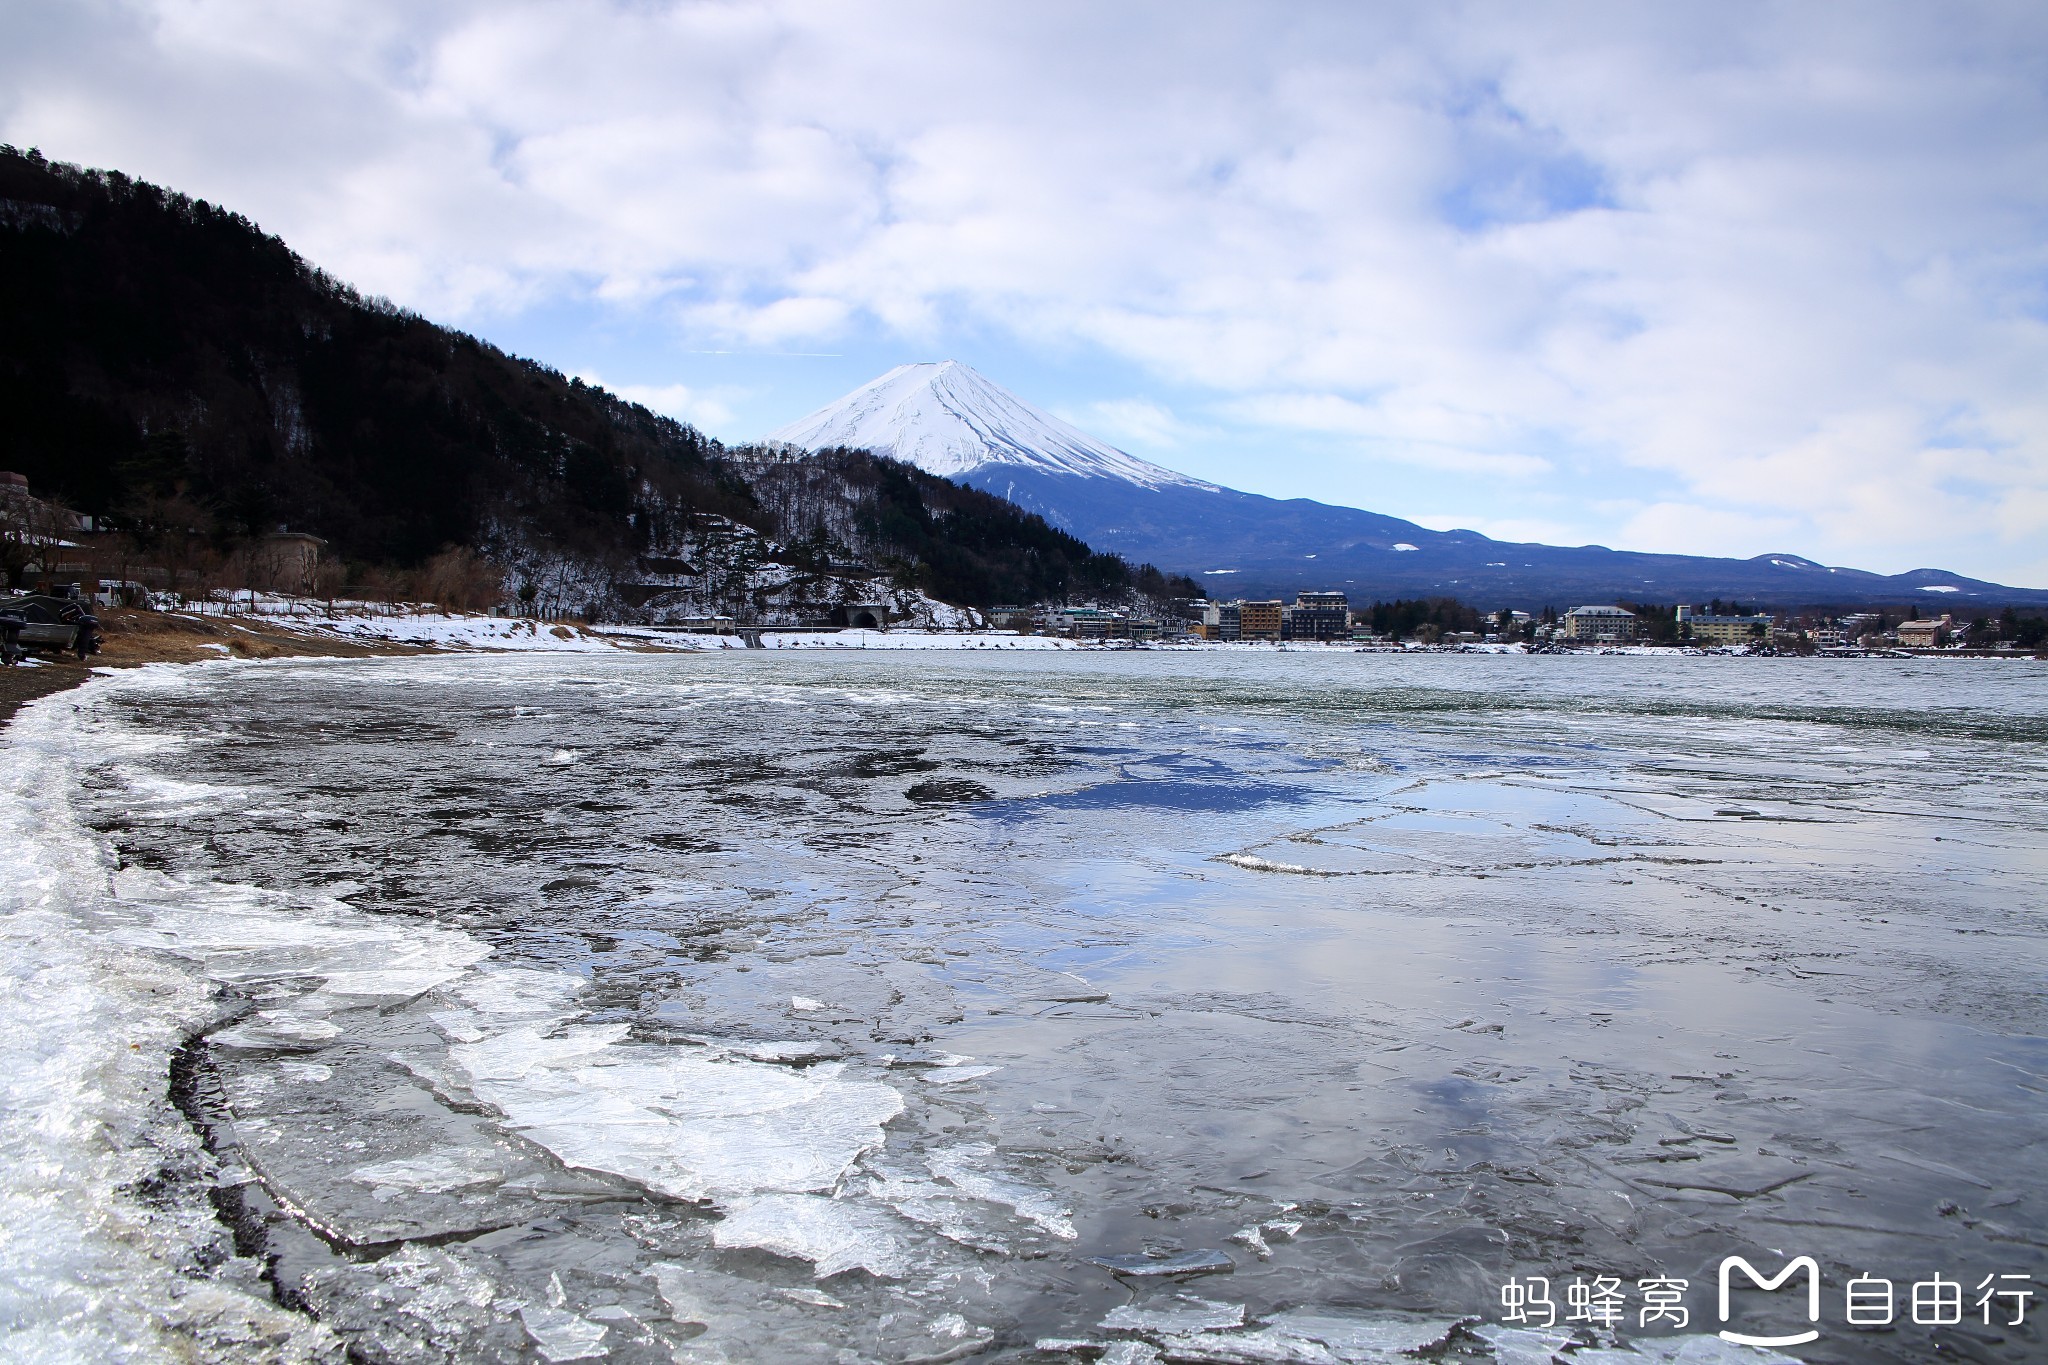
(558, 1335)
(1523, 1345)
(1697, 1349)
(963, 1168)
(241, 935)
(1183, 1313)
(834, 1236)
(435, 1172)
(679, 1122)
(1300, 1338)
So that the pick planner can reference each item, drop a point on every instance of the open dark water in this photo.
(848, 1007)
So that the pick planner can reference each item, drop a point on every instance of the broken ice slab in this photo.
(701, 1297)
(816, 1298)
(729, 1309)
(1207, 1261)
(832, 1235)
(792, 1053)
(1182, 1313)
(435, 1172)
(245, 935)
(723, 1319)
(677, 1122)
(1266, 1346)
(417, 1304)
(1303, 1338)
(1698, 1349)
(560, 1335)
(950, 1337)
(925, 1057)
(1260, 1236)
(373, 1159)
(503, 996)
(277, 1031)
(951, 1214)
(1130, 1353)
(1071, 995)
(966, 1169)
(460, 1025)
(1523, 1345)
(1351, 1335)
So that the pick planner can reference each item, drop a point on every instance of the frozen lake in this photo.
(849, 1007)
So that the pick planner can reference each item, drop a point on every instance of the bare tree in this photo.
(459, 579)
(31, 533)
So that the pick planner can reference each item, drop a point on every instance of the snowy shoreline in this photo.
(466, 632)
(112, 1249)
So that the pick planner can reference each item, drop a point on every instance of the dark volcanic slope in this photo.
(165, 362)
(1268, 546)
(159, 348)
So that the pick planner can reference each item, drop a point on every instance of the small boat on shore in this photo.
(46, 622)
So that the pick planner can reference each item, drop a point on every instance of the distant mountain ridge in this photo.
(949, 420)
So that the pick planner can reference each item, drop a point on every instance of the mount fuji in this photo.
(951, 421)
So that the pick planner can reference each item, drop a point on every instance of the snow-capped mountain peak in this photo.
(947, 419)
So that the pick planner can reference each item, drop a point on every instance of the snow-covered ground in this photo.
(375, 623)
(905, 639)
(96, 1245)
(444, 630)
(503, 633)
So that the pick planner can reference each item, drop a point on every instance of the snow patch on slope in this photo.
(949, 420)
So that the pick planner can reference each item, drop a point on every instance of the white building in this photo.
(1607, 625)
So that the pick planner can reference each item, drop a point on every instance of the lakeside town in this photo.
(1330, 618)
(61, 564)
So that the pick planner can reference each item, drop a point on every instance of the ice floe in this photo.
(685, 1124)
(1203, 1262)
(1180, 1314)
(967, 1168)
(834, 1235)
(560, 1335)
(241, 935)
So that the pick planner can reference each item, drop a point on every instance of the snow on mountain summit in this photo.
(949, 420)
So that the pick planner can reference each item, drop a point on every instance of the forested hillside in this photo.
(170, 369)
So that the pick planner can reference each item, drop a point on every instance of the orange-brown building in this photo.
(1259, 620)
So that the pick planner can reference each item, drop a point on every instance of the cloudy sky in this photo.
(1722, 278)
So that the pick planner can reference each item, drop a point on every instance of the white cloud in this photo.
(1134, 421)
(1401, 432)
(1690, 528)
(680, 401)
(1779, 268)
(1518, 530)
